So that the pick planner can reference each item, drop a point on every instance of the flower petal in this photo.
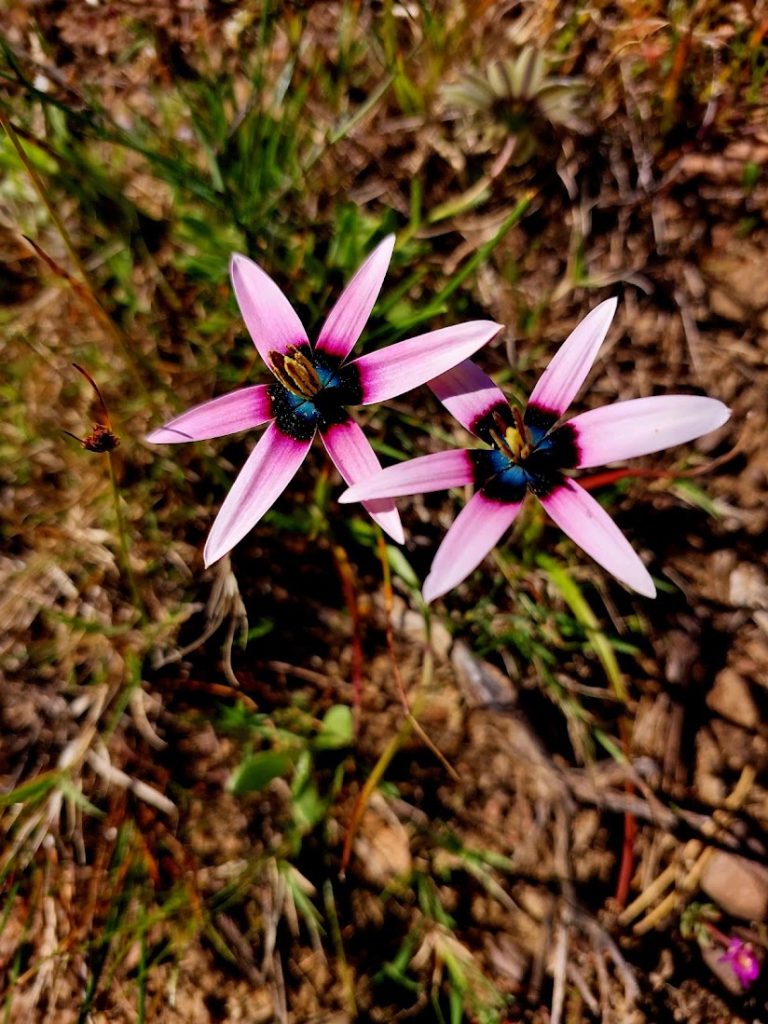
(263, 478)
(562, 379)
(356, 460)
(589, 525)
(349, 316)
(435, 472)
(476, 529)
(270, 318)
(406, 365)
(239, 410)
(643, 425)
(467, 393)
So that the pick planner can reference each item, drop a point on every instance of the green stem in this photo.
(123, 538)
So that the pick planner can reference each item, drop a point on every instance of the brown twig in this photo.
(611, 476)
(347, 577)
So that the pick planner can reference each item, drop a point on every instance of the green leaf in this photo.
(258, 770)
(337, 728)
(76, 796)
(308, 808)
(32, 791)
(401, 567)
(696, 496)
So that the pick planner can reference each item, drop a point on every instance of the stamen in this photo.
(525, 445)
(513, 441)
(498, 439)
(295, 372)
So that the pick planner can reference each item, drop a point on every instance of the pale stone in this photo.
(748, 587)
(738, 885)
(731, 697)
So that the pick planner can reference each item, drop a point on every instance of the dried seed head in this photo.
(101, 438)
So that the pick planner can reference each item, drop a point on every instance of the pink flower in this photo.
(530, 452)
(741, 958)
(314, 385)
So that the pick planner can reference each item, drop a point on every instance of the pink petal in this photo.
(265, 475)
(643, 425)
(270, 318)
(406, 365)
(356, 460)
(589, 525)
(477, 528)
(467, 393)
(562, 379)
(349, 316)
(435, 472)
(239, 410)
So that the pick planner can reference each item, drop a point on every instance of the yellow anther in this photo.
(295, 372)
(514, 442)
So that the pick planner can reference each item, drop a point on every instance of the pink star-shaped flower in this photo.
(531, 452)
(314, 386)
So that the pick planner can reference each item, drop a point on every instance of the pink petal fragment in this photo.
(476, 529)
(643, 425)
(349, 316)
(239, 410)
(406, 365)
(589, 525)
(270, 318)
(558, 385)
(467, 393)
(356, 461)
(265, 475)
(426, 473)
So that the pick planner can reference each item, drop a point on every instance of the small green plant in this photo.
(515, 99)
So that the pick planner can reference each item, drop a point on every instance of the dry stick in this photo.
(559, 971)
(318, 678)
(87, 290)
(347, 578)
(222, 690)
(388, 606)
(626, 867)
(611, 476)
(693, 849)
(102, 439)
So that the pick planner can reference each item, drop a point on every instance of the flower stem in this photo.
(381, 549)
(125, 563)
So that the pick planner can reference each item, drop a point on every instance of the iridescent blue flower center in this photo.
(526, 453)
(312, 391)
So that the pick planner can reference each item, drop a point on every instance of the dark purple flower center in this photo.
(526, 453)
(312, 391)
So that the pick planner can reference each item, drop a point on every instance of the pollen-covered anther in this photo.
(521, 435)
(514, 443)
(295, 372)
(512, 440)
